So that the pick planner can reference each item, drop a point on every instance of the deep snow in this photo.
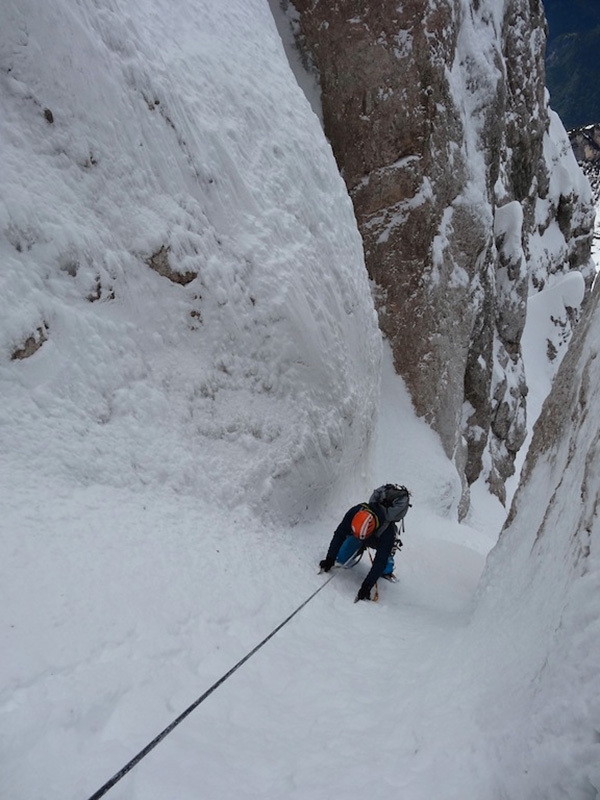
(175, 458)
(122, 606)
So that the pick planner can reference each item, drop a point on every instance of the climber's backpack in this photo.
(394, 498)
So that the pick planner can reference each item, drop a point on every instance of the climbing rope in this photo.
(151, 745)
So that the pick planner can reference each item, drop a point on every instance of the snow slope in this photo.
(121, 606)
(175, 457)
(541, 589)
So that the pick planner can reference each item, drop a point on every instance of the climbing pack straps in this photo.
(157, 739)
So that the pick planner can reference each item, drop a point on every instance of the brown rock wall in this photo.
(436, 113)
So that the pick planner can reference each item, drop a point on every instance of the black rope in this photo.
(151, 745)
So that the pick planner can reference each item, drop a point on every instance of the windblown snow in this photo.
(194, 390)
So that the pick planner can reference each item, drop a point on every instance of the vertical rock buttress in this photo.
(436, 111)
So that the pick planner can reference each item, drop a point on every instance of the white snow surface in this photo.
(181, 129)
(541, 587)
(170, 479)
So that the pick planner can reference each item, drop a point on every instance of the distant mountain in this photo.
(572, 64)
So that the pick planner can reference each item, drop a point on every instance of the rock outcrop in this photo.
(586, 147)
(466, 193)
(32, 344)
(586, 144)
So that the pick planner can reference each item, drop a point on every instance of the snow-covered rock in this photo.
(176, 244)
(466, 193)
(186, 327)
(538, 605)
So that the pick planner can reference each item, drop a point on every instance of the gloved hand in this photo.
(326, 564)
(363, 593)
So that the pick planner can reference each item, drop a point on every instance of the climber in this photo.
(373, 525)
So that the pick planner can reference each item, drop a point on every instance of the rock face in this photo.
(466, 193)
(586, 144)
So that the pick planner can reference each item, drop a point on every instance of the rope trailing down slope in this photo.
(151, 745)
